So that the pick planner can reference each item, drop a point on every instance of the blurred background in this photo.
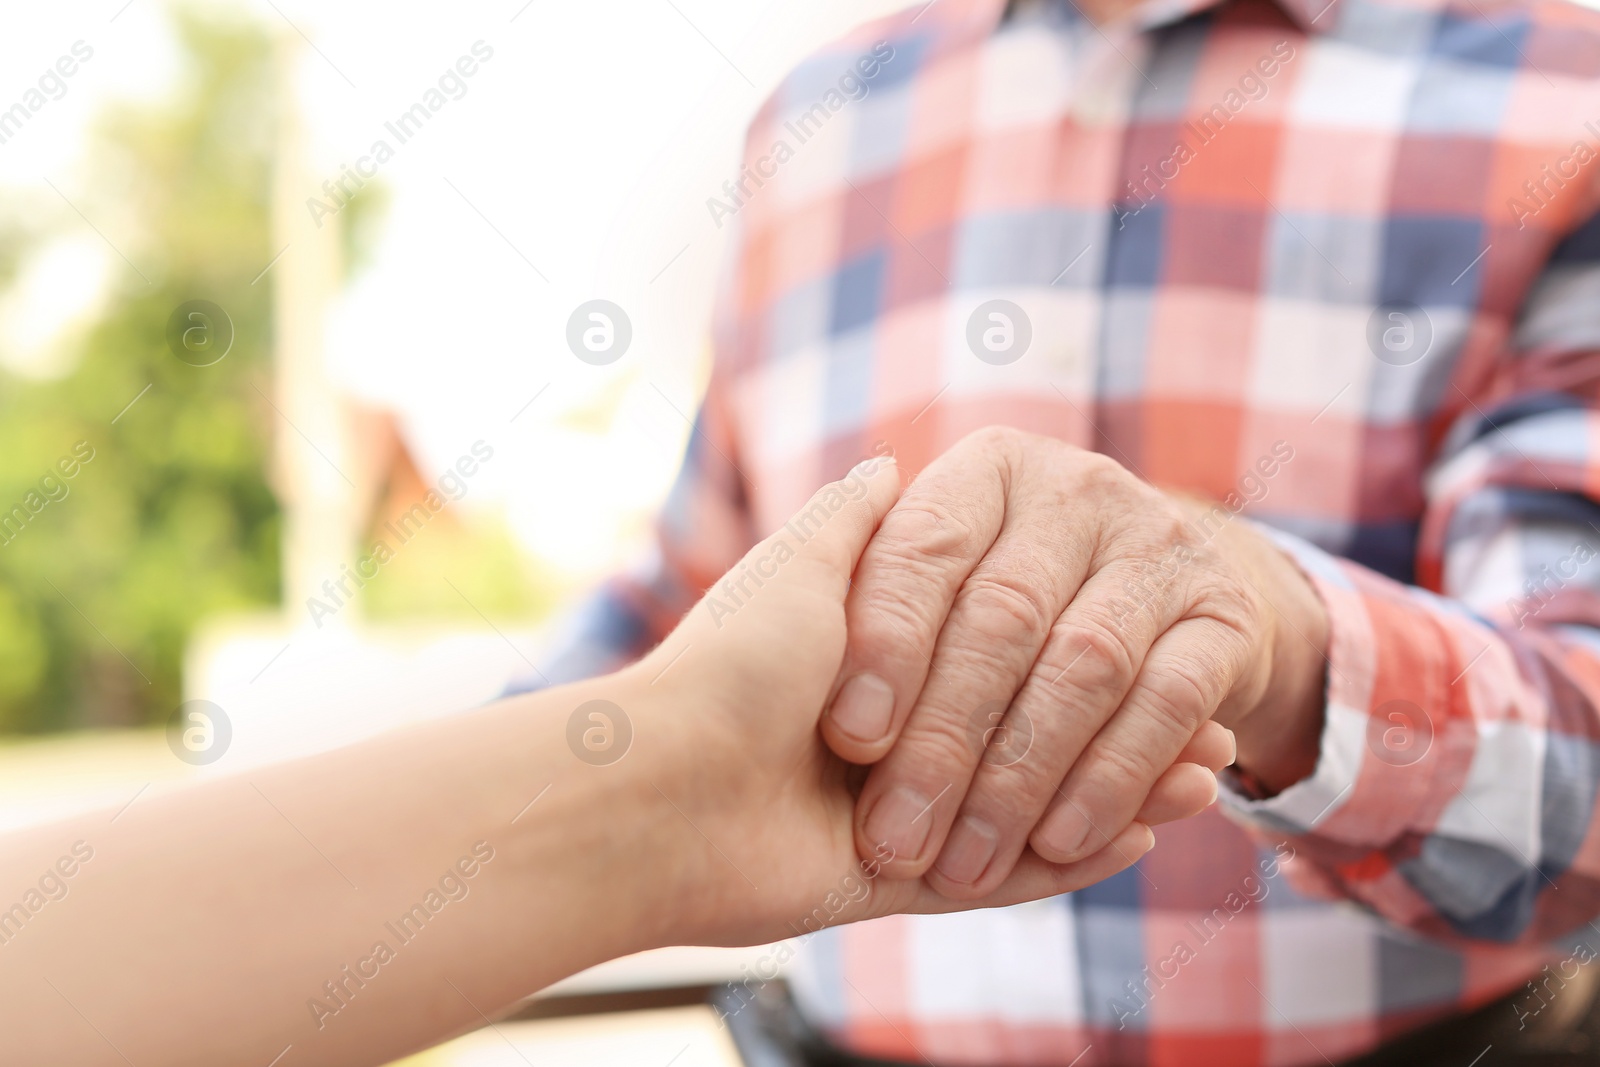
(275, 274)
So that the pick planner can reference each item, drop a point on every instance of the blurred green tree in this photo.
(172, 520)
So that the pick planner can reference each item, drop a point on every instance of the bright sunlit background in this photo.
(390, 311)
(384, 317)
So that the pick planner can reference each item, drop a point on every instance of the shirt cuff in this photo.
(1377, 769)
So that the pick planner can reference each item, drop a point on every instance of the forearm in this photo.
(240, 900)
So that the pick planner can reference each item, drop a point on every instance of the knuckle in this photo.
(1179, 698)
(1100, 465)
(1093, 656)
(930, 751)
(1006, 787)
(1119, 764)
(1101, 474)
(1005, 736)
(887, 624)
(921, 530)
(1162, 536)
(1236, 604)
(994, 436)
(1232, 616)
(1005, 606)
(1142, 584)
(1009, 445)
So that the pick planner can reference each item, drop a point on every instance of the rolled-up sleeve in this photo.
(1457, 785)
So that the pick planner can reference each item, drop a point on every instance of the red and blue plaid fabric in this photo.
(1359, 233)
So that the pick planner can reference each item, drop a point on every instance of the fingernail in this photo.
(1066, 829)
(863, 708)
(872, 464)
(1234, 751)
(902, 818)
(1215, 790)
(967, 853)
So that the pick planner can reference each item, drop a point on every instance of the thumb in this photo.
(827, 536)
(811, 556)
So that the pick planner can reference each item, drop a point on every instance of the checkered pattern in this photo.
(1361, 230)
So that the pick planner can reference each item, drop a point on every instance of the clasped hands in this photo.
(1044, 650)
(973, 690)
(1029, 654)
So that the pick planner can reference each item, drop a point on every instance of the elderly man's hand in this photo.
(1037, 643)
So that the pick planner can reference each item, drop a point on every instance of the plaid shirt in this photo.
(1335, 263)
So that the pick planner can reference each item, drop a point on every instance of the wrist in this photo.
(603, 828)
(1279, 738)
(688, 790)
(694, 871)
